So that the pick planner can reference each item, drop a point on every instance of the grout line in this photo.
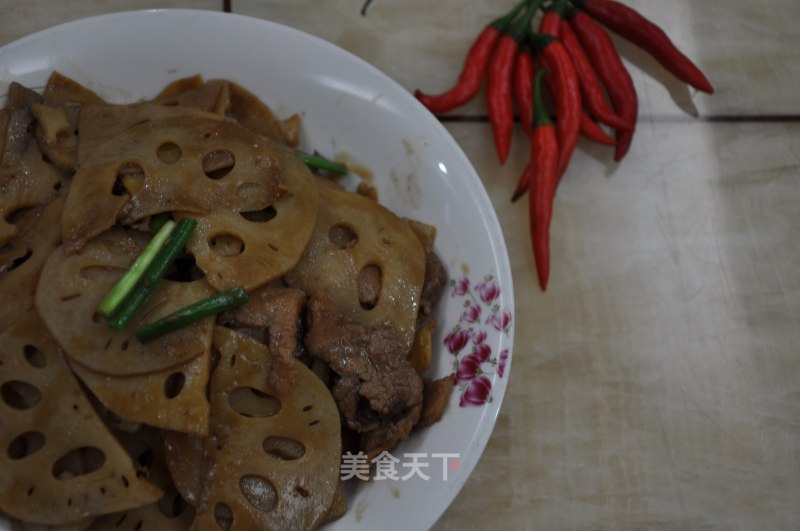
(722, 118)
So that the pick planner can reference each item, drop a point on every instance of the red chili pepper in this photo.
(613, 74)
(566, 91)
(634, 27)
(592, 130)
(550, 24)
(499, 88)
(474, 69)
(543, 181)
(524, 71)
(524, 181)
(591, 88)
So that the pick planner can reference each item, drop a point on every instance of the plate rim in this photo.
(486, 423)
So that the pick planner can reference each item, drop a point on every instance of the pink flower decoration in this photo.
(479, 336)
(461, 287)
(482, 351)
(471, 314)
(477, 392)
(500, 320)
(488, 291)
(501, 365)
(470, 365)
(456, 340)
(468, 368)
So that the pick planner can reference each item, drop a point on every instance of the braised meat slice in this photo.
(437, 395)
(378, 392)
(277, 311)
(434, 284)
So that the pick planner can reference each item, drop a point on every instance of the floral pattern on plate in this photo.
(470, 339)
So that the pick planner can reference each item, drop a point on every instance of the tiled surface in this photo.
(657, 383)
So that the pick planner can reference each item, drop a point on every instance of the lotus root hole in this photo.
(258, 492)
(18, 261)
(302, 491)
(145, 458)
(283, 449)
(260, 216)
(174, 385)
(79, 462)
(169, 153)
(218, 163)
(369, 286)
(20, 395)
(308, 408)
(226, 245)
(250, 402)
(34, 356)
(130, 177)
(342, 236)
(223, 515)
(25, 444)
(171, 503)
(184, 269)
(16, 215)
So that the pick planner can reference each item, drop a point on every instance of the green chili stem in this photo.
(158, 268)
(521, 26)
(140, 265)
(220, 302)
(321, 163)
(503, 22)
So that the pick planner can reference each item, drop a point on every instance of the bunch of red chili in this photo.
(574, 59)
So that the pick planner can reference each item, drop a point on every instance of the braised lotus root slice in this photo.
(71, 288)
(212, 96)
(29, 183)
(169, 93)
(298, 435)
(183, 453)
(170, 513)
(247, 109)
(59, 462)
(366, 260)
(178, 164)
(40, 236)
(63, 90)
(101, 122)
(15, 124)
(174, 399)
(56, 136)
(18, 525)
(251, 248)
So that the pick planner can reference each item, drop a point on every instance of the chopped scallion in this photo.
(217, 303)
(321, 163)
(158, 268)
(140, 265)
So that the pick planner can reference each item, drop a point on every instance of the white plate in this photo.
(347, 107)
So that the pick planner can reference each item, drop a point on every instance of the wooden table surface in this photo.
(656, 385)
